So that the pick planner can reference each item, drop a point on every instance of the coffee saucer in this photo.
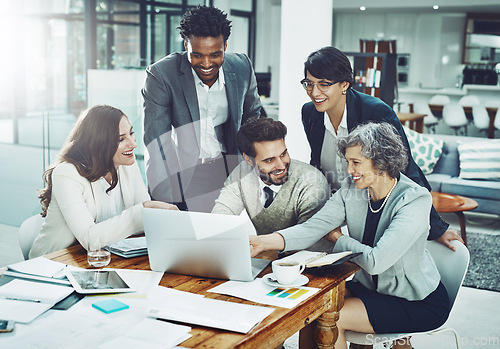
(271, 281)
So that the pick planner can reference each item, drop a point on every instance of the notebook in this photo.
(201, 244)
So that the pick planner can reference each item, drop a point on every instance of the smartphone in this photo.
(6, 326)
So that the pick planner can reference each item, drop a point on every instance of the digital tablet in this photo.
(97, 281)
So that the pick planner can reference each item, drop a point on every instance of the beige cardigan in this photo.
(73, 210)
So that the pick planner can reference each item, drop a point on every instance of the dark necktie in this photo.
(269, 196)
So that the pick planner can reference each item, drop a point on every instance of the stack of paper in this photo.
(41, 269)
(22, 300)
(131, 247)
(192, 309)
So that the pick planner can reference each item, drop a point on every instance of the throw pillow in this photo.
(480, 160)
(425, 150)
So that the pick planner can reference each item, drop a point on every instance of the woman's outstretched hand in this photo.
(160, 204)
(268, 242)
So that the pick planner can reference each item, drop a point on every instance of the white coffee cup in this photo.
(286, 272)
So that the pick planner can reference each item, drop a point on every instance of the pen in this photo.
(60, 270)
(23, 299)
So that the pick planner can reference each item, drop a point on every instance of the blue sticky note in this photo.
(110, 306)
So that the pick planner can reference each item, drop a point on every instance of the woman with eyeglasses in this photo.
(335, 110)
(95, 190)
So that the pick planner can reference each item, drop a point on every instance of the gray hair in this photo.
(379, 142)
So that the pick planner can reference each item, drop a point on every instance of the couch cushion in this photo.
(425, 150)
(480, 160)
(436, 180)
(472, 188)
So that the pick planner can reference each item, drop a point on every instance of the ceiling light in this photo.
(435, 7)
(362, 8)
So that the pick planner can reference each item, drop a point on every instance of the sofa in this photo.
(445, 176)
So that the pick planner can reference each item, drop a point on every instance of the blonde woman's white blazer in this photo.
(72, 212)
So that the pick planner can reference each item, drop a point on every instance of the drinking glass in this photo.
(98, 254)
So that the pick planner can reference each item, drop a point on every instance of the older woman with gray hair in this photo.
(398, 288)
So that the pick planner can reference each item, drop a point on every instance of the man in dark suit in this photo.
(194, 104)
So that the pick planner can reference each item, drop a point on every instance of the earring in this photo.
(344, 92)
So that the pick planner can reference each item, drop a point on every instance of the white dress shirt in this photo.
(273, 187)
(111, 203)
(212, 102)
(333, 165)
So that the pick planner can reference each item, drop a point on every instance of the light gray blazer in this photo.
(403, 265)
(170, 101)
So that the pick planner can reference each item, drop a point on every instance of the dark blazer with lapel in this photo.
(170, 101)
(362, 108)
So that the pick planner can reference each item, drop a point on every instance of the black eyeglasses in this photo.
(323, 86)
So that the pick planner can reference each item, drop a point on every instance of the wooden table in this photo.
(457, 204)
(415, 120)
(278, 326)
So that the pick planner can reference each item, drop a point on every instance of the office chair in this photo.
(454, 116)
(452, 267)
(438, 101)
(481, 118)
(467, 102)
(28, 232)
(430, 121)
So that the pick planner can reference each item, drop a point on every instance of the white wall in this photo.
(434, 41)
(304, 28)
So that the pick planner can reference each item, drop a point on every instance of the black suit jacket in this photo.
(362, 108)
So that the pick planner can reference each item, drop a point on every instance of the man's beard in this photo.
(266, 177)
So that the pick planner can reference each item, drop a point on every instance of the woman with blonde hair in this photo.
(94, 191)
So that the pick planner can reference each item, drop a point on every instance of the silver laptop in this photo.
(200, 244)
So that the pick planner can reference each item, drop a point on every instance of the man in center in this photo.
(277, 192)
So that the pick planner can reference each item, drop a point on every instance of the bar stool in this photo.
(493, 106)
(481, 118)
(454, 116)
(497, 120)
(467, 102)
(430, 121)
(436, 104)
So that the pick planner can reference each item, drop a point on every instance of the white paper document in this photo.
(22, 300)
(193, 309)
(21, 311)
(40, 266)
(259, 292)
(150, 334)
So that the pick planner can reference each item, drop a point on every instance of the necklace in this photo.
(385, 200)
